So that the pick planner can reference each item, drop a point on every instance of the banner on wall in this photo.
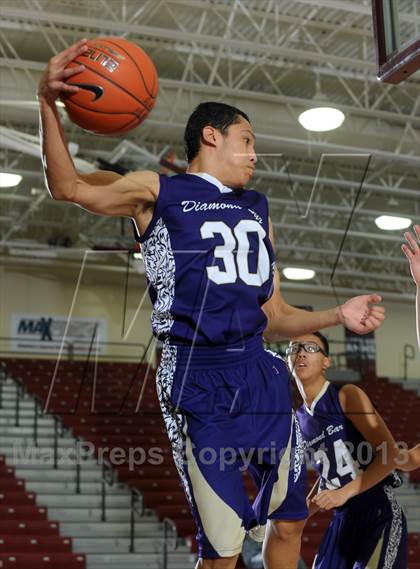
(44, 333)
(360, 351)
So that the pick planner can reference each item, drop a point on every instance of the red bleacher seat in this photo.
(414, 540)
(168, 511)
(9, 484)
(33, 528)
(148, 471)
(7, 471)
(160, 498)
(35, 544)
(22, 513)
(16, 498)
(154, 484)
(42, 561)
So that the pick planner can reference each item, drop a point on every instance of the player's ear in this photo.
(327, 363)
(209, 135)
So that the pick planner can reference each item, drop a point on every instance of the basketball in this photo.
(118, 87)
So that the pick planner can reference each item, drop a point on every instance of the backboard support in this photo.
(397, 57)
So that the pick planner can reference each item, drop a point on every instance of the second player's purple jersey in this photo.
(337, 450)
(209, 261)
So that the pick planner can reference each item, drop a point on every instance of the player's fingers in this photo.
(319, 497)
(379, 309)
(61, 86)
(412, 242)
(376, 322)
(364, 328)
(417, 231)
(70, 53)
(374, 298)
(378, 315)
(373, 322)
(407, 251)
(69, 72)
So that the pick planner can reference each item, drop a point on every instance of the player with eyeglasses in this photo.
(309, 348)
(356, 455)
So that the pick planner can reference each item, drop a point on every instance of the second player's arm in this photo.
(285, 321)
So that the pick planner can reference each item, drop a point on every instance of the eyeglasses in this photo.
(309, 347)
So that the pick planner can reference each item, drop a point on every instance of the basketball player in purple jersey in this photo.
(412, 252)
(208, 251)
(355, 454)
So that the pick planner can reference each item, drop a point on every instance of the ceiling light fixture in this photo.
(9, 180)
(298, 274)
(392, 223)
(321, 119)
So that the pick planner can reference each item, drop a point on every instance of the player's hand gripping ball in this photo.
(117, 88)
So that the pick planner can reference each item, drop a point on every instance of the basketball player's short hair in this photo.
(217, 115)
(324, 341)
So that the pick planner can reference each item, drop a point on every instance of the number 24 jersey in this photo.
(337, 450)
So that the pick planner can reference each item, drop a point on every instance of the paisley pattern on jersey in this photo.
(173, 421)
(395, 532)
(299, 452)
(160, 270)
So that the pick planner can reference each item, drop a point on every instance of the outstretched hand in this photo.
(53, 80)
(412, 252)
(361, 314)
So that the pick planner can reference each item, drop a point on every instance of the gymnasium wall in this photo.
(100, 295)
(41, 289)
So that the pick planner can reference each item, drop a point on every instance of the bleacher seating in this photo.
(27, 539)
(126, 414)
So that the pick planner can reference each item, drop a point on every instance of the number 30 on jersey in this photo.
(235, 252)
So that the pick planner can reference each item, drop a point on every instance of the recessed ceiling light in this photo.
(321, 119)
(392, 223)
(9, 180)
(298, 274)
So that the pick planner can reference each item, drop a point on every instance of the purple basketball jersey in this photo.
(209, 261)
(337, 450)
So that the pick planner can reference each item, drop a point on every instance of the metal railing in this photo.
(73, 349)
(3, 378)
(108, 477)
(136, 497)
(168, 525)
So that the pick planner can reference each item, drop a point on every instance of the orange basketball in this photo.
(118, 87)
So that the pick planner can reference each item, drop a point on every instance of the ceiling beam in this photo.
(301, 102)
(99, 26)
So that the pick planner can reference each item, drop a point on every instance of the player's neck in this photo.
(311, 390)
(204, 166)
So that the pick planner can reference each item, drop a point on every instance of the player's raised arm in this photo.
(412, 252)
(361, 314)
(104, 193)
